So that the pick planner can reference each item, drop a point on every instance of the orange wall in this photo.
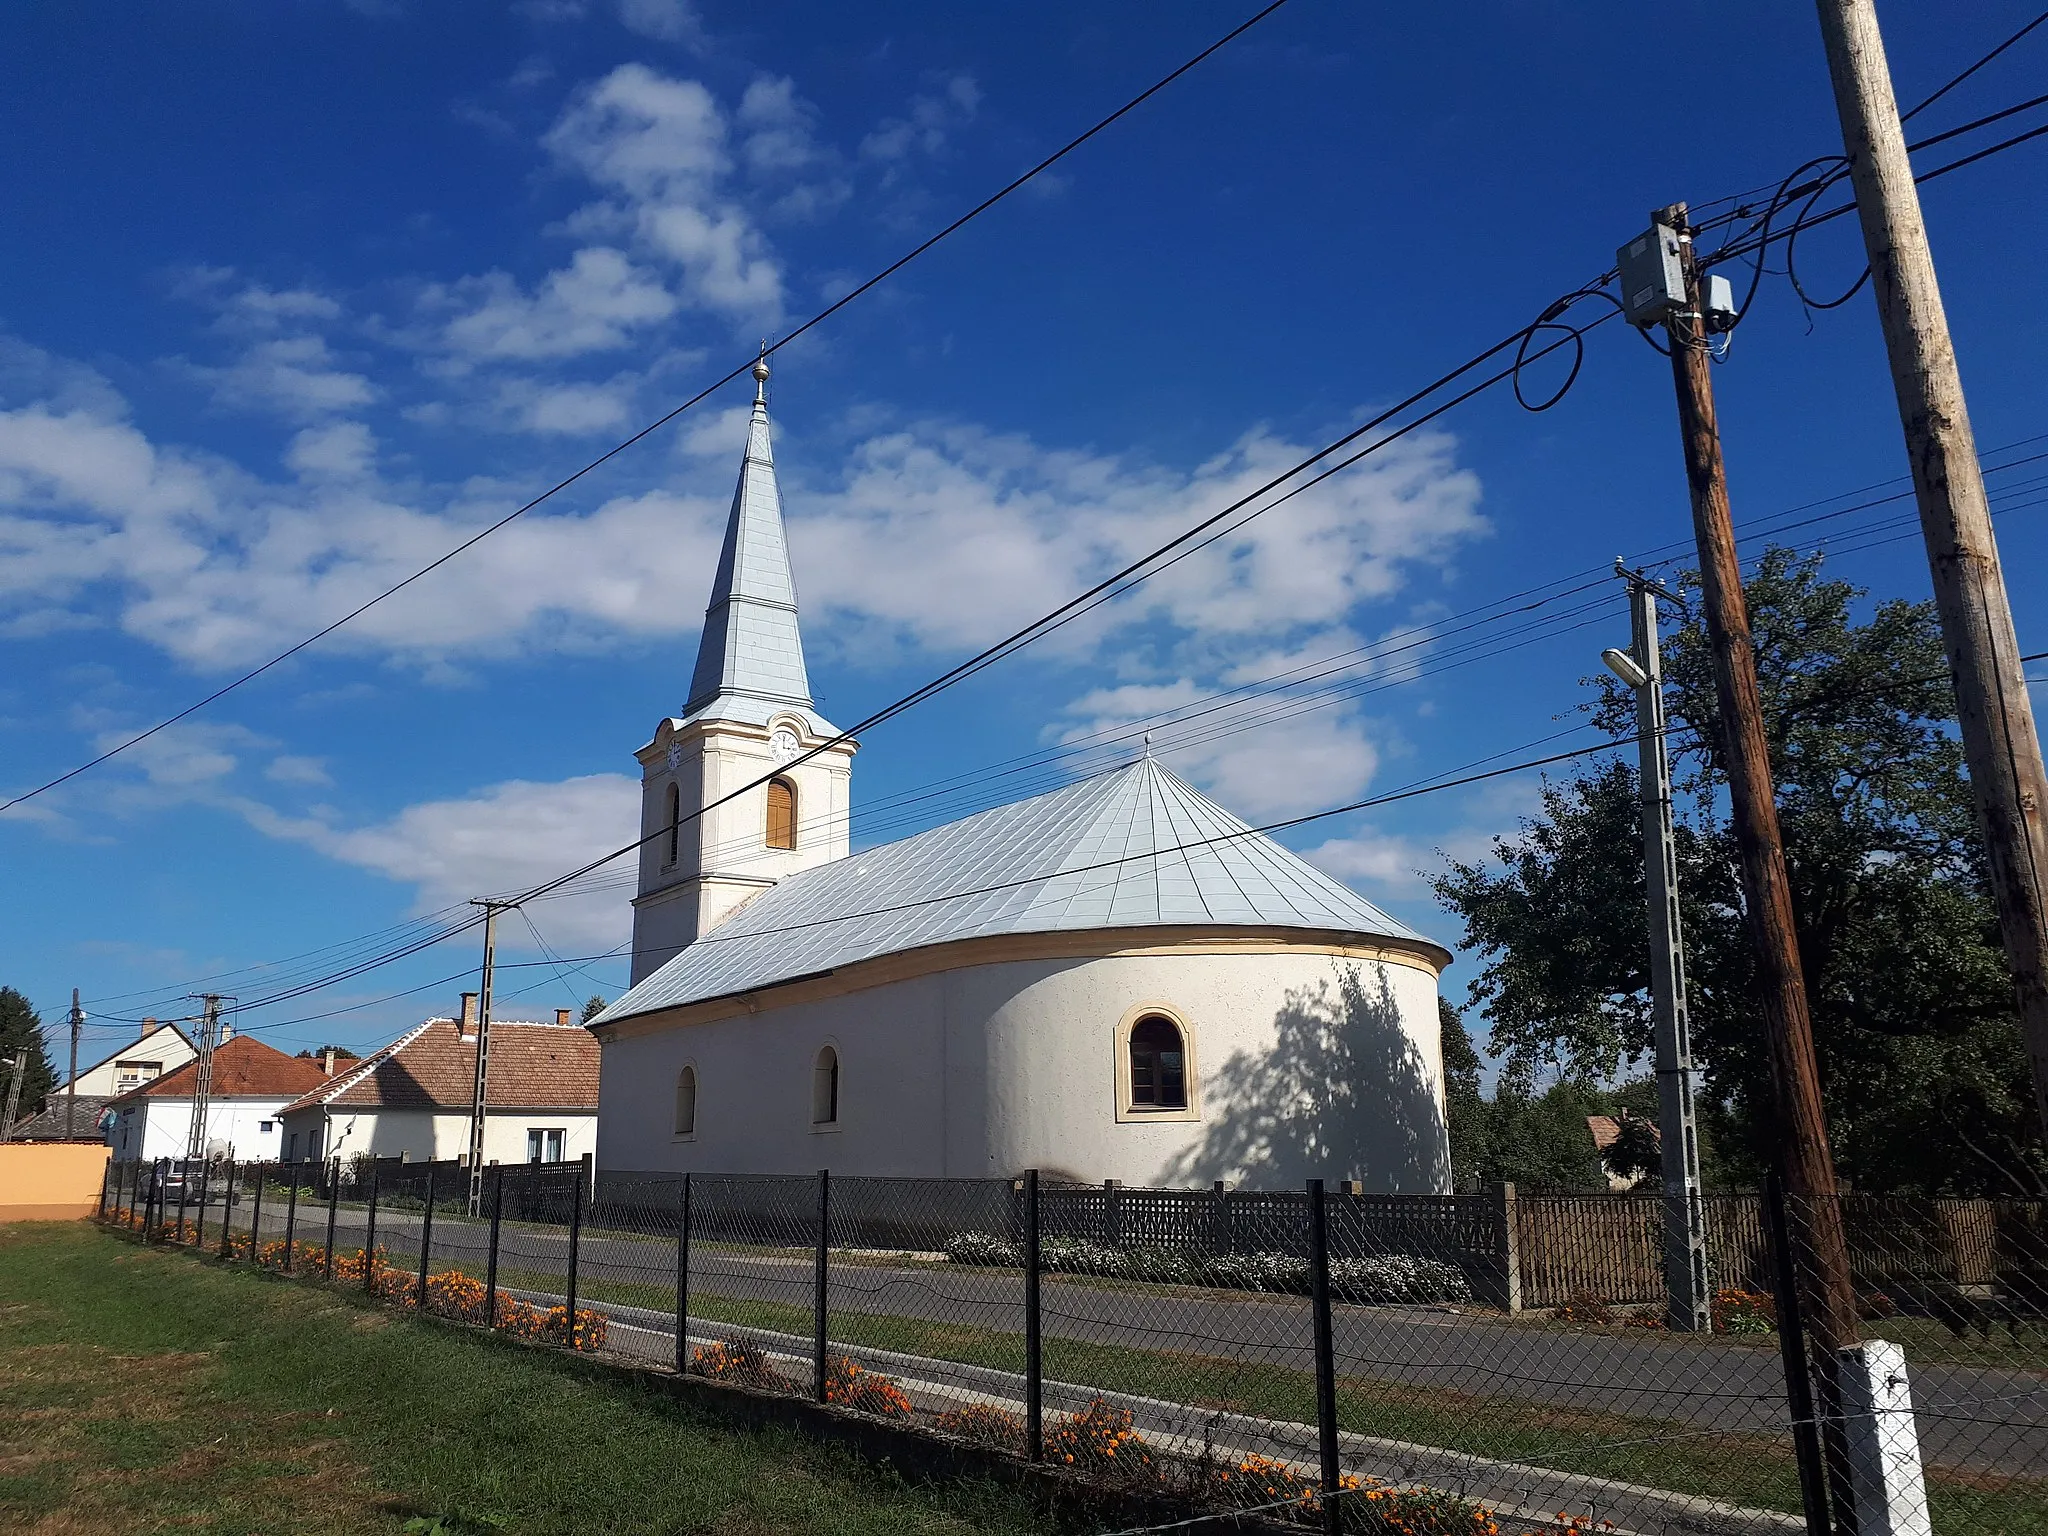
(50, 1181)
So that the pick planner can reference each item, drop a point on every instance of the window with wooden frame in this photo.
(781, 814)
(1159, 1070)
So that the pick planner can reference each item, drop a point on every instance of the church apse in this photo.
(1342, 1092)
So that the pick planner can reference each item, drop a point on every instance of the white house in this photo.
(413, 1097)
(160, 1048)
(252, 1083)
(1114, 980)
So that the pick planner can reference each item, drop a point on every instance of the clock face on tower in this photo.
(675, 756)
(783, 745)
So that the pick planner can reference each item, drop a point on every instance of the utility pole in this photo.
(483, 1056)
(202, 1085)
(71, 1083)
(1661, 285)
(1688, 1298)
(18, 1068)
(2000, 741)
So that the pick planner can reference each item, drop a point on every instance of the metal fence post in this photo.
(227, 1213)
(184, 1199)
(1813, 1482)
(1034, 1342)
(821, 1271)
(575, 1255)
(1326, 1352)
(106, 1178)
(426, 1240)
(491, 1264)
(149, 1203)
(333, 1210)
(683, 1280)
(370, 1233)
(256, 1215)
(291, 1219)
(205, 1195)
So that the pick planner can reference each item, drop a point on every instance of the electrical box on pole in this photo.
(1652, 276)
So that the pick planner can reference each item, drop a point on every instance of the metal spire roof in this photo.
(1133, 848)
(751, 643)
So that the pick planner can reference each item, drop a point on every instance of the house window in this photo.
(675, 823)
(686, 1102)
(133, 1074)
(543, 1145)
(781, 814)
(1159, 1071)
(825, 1088)
(265, 1127)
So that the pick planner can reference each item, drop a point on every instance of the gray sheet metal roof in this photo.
(1133, 848)
(751, 643)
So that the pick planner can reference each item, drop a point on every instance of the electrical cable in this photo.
(654, 426)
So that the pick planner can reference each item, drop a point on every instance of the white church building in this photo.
(1116, 980)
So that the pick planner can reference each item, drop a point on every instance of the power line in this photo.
(654, 426)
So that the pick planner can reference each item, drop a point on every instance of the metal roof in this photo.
(751, 643)
(1133, 848)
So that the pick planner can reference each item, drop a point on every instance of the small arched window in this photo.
(675, 821)
(686, 1102)
(1159, 1064)
(781, 814)
(825, 1088)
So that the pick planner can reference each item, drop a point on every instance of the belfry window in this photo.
(825, 1088)
(686, 1102)
(675, 823)
(781, 814)
(1159, 1071)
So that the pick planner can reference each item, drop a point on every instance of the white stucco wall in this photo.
(153, 1128)
(163, 1046)
(1305, 1064)
(422, 1135)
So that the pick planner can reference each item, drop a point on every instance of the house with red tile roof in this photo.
(252, 1083)
(413, 1097)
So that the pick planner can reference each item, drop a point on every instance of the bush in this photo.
(1586, 1308)
(1740, 1311)
(1397, 1278)
(981, 1248)
(1389, 1280)
(1099, 1440)
(849, 1385)
(742, 1362)
(984, 1425)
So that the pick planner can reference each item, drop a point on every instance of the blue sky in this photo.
(298, 296)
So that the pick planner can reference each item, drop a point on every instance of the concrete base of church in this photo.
(1305, 1060)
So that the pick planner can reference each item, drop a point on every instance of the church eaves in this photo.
(1134, 848)
(752, 646)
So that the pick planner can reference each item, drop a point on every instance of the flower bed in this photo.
(1387, 1280)
(851, 1385)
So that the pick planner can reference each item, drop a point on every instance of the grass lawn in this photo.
(143, 1389)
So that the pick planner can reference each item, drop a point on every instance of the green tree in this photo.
(593, 1008)
(1464, 1108)
(1921, 1061)
(21, 1030)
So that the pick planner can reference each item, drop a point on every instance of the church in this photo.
(1115, 980)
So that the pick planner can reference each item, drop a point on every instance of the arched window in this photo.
(686, 1102)
(1159, 1064)
(675, 821)
(781, 814)
(825, 1088)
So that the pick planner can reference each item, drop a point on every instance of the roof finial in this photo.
(761, 375)
(1148, 746)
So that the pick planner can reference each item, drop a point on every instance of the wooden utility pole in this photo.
(1801, 1129)
(1999, 737)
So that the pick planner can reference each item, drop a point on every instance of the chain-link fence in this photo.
(1467, 1364)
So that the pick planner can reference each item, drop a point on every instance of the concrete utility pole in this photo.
(202, 1084)
(71, 1083)
(1800, 1132)
(2000, 741)
(477, 1098)
(1688, 1296)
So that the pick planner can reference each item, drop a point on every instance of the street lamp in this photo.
(1640, 668)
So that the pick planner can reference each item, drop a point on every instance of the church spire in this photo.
(751, 643)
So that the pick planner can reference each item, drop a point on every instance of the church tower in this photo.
(748, 716)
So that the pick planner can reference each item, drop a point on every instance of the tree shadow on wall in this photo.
(1342, 1094)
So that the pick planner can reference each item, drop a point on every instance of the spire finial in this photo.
(761, 375)
(1148, 746)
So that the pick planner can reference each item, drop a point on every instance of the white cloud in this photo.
(500, 839)
(925, 127)
(289, 769)
(573, 409)
(343, 450)
(293, 376)
(668, 21)
(594, 304)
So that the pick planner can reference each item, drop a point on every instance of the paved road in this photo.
(1969, 1417)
